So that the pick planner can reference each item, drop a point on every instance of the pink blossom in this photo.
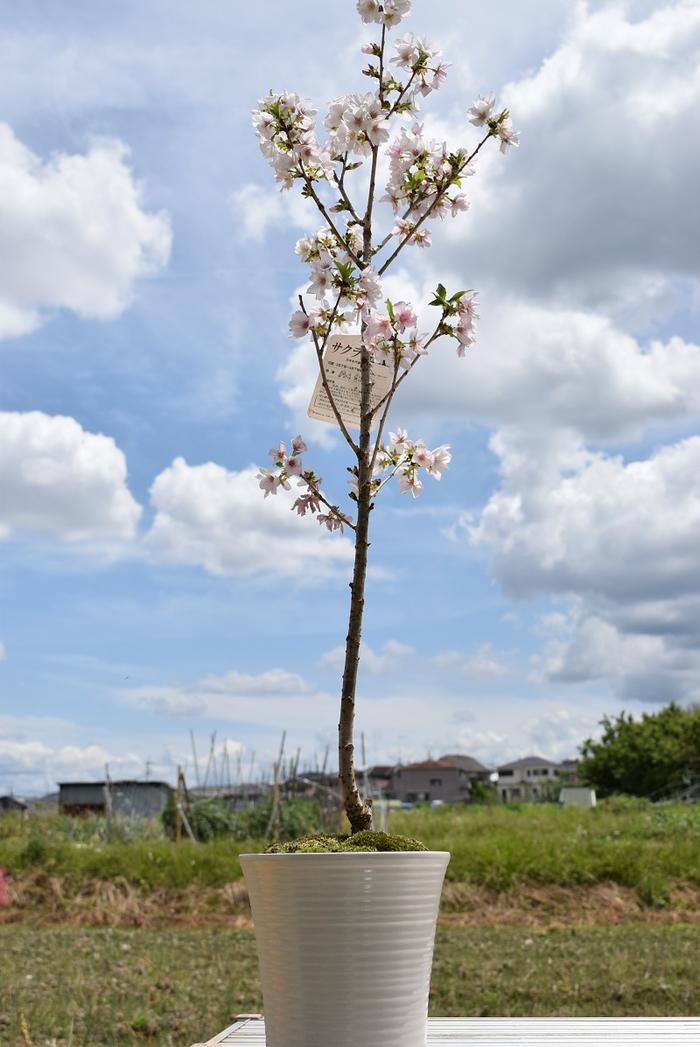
(467, 305)
(332, 521)
(299, 324)
(293, 466)
(394, 11)
(481, 110)
(507, 135)
(378, 130)
(320, 282)
(404, 316)
(268, 481)
(439, 75)
(458, 203)
(408, 481)
(369, 10)
(306, 503)
(367, 49)
(378, 326)
(398, 440)
(441, 459)
(298, 445)
(415, 345)
(278, 454)
(406, 53)
(370, 288)
(423, 457)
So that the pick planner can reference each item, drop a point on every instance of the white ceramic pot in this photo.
(345, 943)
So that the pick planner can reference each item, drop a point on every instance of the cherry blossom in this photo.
(268, 481)
(481, 110)
(328, 160)
(299, 324)
(507, 135)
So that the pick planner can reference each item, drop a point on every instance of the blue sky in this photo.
(148, 272)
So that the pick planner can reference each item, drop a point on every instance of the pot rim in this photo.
(364, 855)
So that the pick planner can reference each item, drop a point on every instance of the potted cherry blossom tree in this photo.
(345, 927)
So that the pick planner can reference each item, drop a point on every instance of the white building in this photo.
(528, 779)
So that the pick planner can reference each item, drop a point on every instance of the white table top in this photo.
(519, 1032)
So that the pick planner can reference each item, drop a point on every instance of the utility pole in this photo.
(178, 806)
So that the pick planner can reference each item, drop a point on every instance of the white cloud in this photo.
(73, 233)
(273, 696)
(60, 480)
(538, 368)
(218, 519)
(33, 762)
(484, 663)
(257, 209)
(392, 655)
(600, 195)
(620, 540)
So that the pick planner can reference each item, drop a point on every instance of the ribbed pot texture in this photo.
(345, 943)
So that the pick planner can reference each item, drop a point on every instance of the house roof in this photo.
(527, 761)
(466, 763)
(429, 765)
(115, 784)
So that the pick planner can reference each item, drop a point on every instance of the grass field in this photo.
(113, 988)
(645, 848)
(546, 912)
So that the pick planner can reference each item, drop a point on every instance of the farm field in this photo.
(114, 987)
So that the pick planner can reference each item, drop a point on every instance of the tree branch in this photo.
(322, 369)
(340, 182)
(438, 197)
(335, 509)
(390, 394)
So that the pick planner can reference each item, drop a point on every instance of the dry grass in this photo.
(41, 899)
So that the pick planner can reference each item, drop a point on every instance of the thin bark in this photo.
(359, 811)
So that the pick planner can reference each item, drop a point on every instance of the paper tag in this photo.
(341, 361)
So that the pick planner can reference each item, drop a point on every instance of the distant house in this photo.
(128, 798)
(429, 780)
(11, 805)
(527, 779)
(476, 771)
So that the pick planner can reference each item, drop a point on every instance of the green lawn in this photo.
(113, 988)
(496, 847)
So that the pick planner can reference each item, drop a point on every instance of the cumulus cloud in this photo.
(273, 696)
(217, 519)
(617, 538)
(73, 233)
(33, 763)
(390, 658)
(257, 210)
(484, 663)
(58, 479)
(540, 369)
(601, 194)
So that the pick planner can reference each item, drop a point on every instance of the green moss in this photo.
(322, 843)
